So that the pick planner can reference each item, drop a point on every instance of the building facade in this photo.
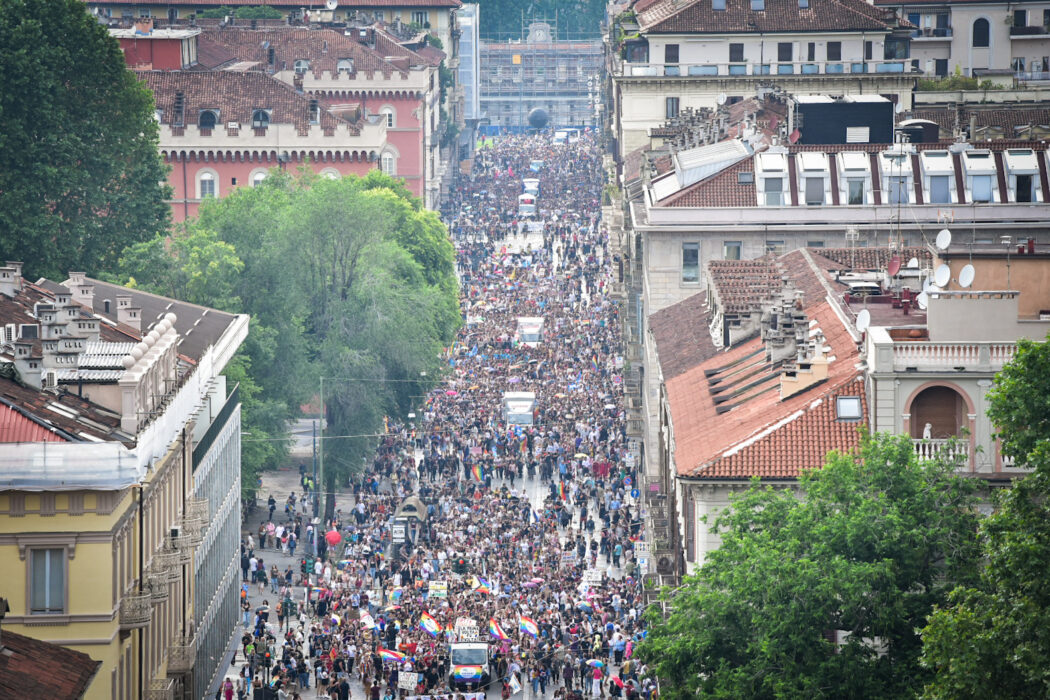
(98, 514)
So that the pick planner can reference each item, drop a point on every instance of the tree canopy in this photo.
(80, 173)
(993, 639)
(822, 594)
(349, 280)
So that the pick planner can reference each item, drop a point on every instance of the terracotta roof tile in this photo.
(682, 337)
(873, 258)
(739, 443)
(699, 16)
(32, 668)
(721, 190)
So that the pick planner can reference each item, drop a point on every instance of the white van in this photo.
(469, 665)
(527, 205)
(518, 407)
(530, 330)
(531, 185)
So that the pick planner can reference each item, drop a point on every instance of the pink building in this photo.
(225, 129)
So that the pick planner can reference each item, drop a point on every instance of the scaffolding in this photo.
(562, 77)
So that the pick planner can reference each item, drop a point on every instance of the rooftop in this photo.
(32, 668)
(700, 17)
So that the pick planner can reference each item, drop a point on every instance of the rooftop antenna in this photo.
(1008, 242)
(944, 239)
(863, 320)
(942, 275)
(966, 276)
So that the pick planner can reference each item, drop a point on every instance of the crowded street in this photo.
(489, 548)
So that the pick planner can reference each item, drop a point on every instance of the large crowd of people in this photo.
(521, 535)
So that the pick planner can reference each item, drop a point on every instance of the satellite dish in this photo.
(966, 276)
(722, 99)
(944, 239)
(863, 320)
(331, 4)
(922, 300)
(899, 107)
(913, 263)
(942, 275)
(894, 266)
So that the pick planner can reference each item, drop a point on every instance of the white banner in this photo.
(407, 680)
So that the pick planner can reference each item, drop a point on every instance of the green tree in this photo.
(993, 639)
(80, 173)
(874, 542)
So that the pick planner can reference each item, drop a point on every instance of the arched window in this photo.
(258, 177)
(345, 65)
(387, 163)
(207, 185)
(260, 119)
(981, 31)
(207, 119)
(301, 66)
(330, 173)
(389, 113)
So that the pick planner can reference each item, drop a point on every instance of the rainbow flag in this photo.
(524, 445)
(388, 655)
(495, 630)
(594, 363)
(428, 624)
(478, 472)
(467, 673)
(528, 626)
(561, 490)
(482, 586)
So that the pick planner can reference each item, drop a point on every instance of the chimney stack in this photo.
(10, 281)
(127, 314)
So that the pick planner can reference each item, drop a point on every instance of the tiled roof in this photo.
(682, 337)
(322, 47)
(874, 258)
(707, 435)
(32, 668)
(431, 54)
(698, 16)
(16, 426)
(235, 95)
(744, 284)
(288, 4)
(64, 415)
(721, 190)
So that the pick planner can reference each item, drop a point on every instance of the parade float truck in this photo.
(519, 407)
(468, 658)
(530, 330)
(527, 205)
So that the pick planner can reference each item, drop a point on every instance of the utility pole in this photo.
(320, 455)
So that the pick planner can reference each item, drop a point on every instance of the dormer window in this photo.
(301, 66)
(980, 172)
(938, 171)
(758, 5)
(345, 65)
(1022, 168)
(208, 119)
(814, 171)
(260, 119)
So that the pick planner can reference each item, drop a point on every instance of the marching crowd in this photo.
(523, 535)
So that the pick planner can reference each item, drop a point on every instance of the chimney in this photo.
(297, 82)
(84, 294)
(10, 281)
(805, 373)
(144, 26)
(29, 368)
(127, 314)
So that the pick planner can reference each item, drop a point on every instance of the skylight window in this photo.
(848, 408)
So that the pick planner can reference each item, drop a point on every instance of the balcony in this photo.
(197, 508)
(181, 654)
(159, 584)
(718, 70)
(932, 34)
(136, 610)
(951, 357)
(1028, 32)
(169, 561)
(162, 689)
(957, 449)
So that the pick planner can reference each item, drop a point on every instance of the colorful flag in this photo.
(495, 630)
(468, 673)
(524, 445)
(515, 684)
(561, 490)
(478, 472)
(480, 585)
(528, 626)
(429, 625)
(594, 363)
(388, 655)
(368, 621)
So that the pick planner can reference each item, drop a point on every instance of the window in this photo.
(897, 189)
(671, 53)
(420, 17)
(47, 581)
(718, 4)
(811, 51)
(940, 67)
(745, 178)
(345, 65)
(1025, 188)
(207, 185)
(386, 163)
(775, 247)
(814, 191)
(979, 38)
(784, 51)
(388, 112)
(981, 188)
(257, 178)
(207, 119)
(690, 262)
(301, 66)
(260, 119)
(939, 189)
(758, 5)
(145, 13)
(1017, 64)
(834, 50)
(867, 50)
(803, 4)
(814, 244)
(1046, 18)
(774, 191)
(1020, 18)
(731, 250)
(671, 109)
(895, 49)
(848, 408)
(736, 53)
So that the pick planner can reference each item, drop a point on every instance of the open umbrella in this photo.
(333, 537)
(595, 663)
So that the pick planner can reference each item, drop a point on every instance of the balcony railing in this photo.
(162, 689)
(1030, 75)
(702, 70)
(1035, 30)
(181, 654)
(959, 449)
(159, 583)
(135, 610)
(197, 508)
(948, 357)
(932, 33)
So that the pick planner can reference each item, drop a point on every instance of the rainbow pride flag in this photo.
(495, 630)
(478, 472)
(561, 490)
(468, 673)
(481, 585)
(388, 655)
(594, 363)
(528, 626)
(428, 624)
